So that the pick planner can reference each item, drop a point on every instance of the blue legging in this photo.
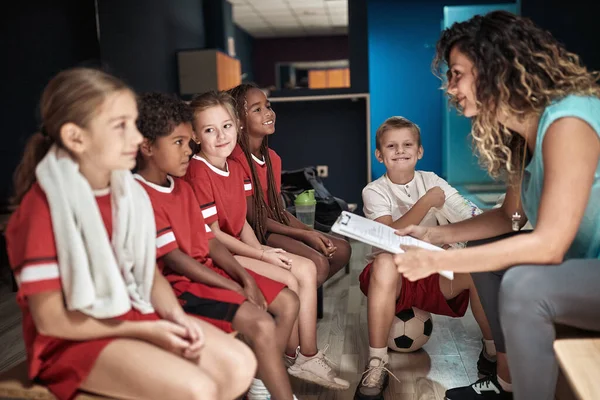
(524, 303)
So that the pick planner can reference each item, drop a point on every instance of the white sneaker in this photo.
(258, 391)
(289, 361)
(317, 369)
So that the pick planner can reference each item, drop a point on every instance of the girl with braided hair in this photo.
(274, 226)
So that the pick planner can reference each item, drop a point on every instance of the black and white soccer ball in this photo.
(410, 330)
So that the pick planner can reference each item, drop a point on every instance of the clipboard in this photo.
(379, 235)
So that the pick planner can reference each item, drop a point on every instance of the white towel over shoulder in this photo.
(102, 277)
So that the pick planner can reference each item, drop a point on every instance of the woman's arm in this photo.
(571, 151)
(488, 224)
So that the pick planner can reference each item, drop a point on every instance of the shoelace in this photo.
(325, 361)
(481, 384)
(373, 375)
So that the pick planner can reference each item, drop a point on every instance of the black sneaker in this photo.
(486, 364)
(487, 388)
(374, 380)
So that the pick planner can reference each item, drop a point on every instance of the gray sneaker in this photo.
(374, 380)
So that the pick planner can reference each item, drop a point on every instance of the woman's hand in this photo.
(418, 232)
(417, 263)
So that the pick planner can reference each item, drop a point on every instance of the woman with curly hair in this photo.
(535, 112)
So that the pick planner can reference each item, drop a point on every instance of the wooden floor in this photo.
(447, 360)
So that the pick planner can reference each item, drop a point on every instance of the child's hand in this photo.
(195, 334)
(277, 257)
(254, 295)
(320, 242)
(167, 335)
(436, 197)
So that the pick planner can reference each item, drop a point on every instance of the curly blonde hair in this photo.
(520, 69)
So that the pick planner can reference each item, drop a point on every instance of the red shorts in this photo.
(218, 306)
(424, 294)
(65, 364)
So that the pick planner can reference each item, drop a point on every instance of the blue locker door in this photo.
(460, 164)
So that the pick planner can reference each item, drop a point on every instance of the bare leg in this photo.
(384, 289)
(260, 331)
(133, 369)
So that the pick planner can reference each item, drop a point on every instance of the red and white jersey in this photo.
(33, 257)
(179, 223)
(261, 169)
(221, 194)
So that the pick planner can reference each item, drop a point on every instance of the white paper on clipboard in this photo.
(379, 235)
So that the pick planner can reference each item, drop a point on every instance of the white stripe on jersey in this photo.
(209, 212)
(165, 239)
(207, 228)
(247, 187)
(39, 272)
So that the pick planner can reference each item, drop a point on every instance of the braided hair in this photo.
(275, 209)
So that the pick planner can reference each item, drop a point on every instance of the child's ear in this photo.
(378, 155)
(421, 151)
(146, 148)
(73, 138)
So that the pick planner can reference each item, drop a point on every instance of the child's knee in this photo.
(345, 249)
(242, 355)
(322, 267)
(201, 388)
(383, 271)
(306, 272)
(290, 302)
(292, 283)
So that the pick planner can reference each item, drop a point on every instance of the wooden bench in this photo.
(579, 360)
(15, 384)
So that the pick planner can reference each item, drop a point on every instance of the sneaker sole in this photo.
(312, 378)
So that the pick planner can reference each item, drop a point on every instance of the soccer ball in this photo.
(410, 330)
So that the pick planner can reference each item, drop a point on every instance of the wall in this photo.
(140, 39)
(306, 134)
(244, 49)
(269, 51)
(575, 25)
(401, 46)
(39, 38)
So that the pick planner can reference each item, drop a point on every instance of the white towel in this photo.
(100, 278)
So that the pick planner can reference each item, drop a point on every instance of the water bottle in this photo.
(305, 207)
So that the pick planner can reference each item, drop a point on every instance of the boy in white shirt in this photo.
(403, 197)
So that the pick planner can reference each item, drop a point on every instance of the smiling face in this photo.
(461, 82)
(260, 117)
(215, 131)
(399, 150)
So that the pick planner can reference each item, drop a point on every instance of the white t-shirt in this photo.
(383, 197)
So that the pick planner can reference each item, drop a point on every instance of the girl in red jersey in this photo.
(96, 316)
(272, 224)
(206, 278)
(222, 188)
